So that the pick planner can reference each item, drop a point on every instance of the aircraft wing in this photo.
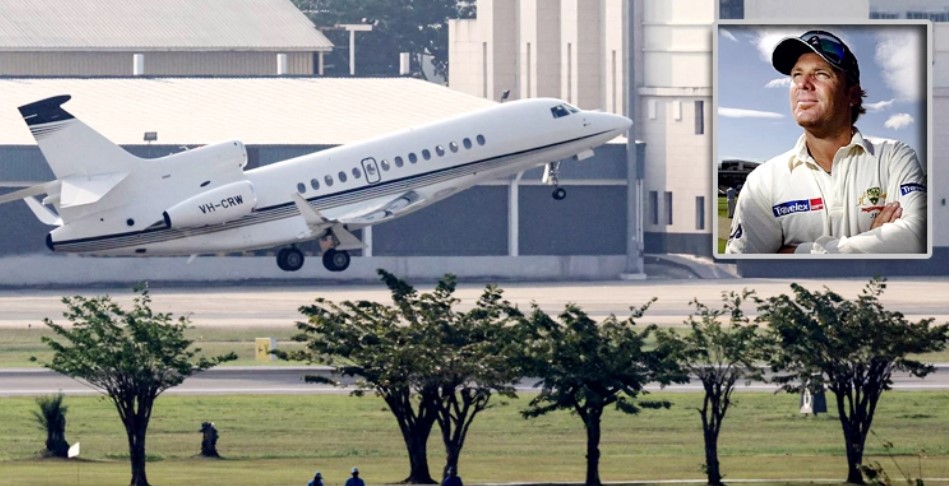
(382, 211)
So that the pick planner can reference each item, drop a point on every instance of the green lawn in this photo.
(283, 439)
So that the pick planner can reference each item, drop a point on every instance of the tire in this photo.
(336, 261)
(290, 259)
(559, 194)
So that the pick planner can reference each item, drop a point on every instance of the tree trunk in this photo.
(592, 422)
(56, 445)
(711, 457)
(452, 453)
(137, 455)
(854, 458)
(416, 444)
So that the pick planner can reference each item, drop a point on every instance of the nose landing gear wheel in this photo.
(559, 194)
(336, 261)
(290, 259)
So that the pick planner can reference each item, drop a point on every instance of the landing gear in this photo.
(290, 259)
(552, 177)
(336, 260)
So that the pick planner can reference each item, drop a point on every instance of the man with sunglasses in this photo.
(836, 191)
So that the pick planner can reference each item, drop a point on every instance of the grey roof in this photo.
(264, 111)
(45, 25)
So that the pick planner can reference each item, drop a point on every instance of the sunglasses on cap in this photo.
(826, 43)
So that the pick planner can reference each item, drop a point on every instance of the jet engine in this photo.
(216, 206)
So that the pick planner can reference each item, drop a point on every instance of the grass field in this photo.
(282, 439)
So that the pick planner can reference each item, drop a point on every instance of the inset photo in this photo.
(821, 145)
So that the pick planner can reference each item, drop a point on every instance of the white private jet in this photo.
(106, 201)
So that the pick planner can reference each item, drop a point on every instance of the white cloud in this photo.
(779, 83)
(901, 62)
(767, 39)
(898, 121)
(727, 34)
(879, 105)
(742, 113)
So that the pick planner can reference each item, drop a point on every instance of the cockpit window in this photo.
(563, 110)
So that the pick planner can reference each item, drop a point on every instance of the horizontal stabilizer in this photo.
(24, 193)
(43, 213)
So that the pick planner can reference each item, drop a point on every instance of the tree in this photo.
(585, 367)
(51, 417)
(419, 27)
(718, 355)
(475, 350)
(131, 355)
(429, 363)
(850, 346)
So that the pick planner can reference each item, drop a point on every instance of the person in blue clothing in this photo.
(355, 480)
(452, 478)
(317, 480)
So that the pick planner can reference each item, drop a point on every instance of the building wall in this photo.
(539, 49)
(155, 63)
(807, 9)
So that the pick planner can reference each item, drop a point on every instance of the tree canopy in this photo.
(429, 362)
(419, 27)
(131, 355)
(718, 354)
(850, 346)
(584, 367)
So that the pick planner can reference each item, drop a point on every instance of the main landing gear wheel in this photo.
(559, 194)
(290, 259)
(336, 261)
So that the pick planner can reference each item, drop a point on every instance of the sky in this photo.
(753, 112)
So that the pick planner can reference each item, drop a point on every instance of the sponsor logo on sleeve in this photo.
(799, 206)
(736, 233)
(911, 187)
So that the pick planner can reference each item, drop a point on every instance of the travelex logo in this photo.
(800, 206)
(911, 187)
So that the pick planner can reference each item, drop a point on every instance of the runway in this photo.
(276, 306)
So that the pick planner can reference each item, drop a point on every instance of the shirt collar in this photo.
(799, 155)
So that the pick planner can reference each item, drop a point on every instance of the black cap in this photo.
(826, 45)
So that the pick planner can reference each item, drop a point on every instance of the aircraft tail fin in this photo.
(70, 146)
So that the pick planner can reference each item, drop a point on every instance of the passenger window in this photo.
(453, 146)
(412, 158)
(440, 150)
(384, 164)
(356, 173)
(467, 142)
(301, 188)
(426, 154)
(398, 162)
(315, 184)
(329, 180)
(342, 176)
(480, 139)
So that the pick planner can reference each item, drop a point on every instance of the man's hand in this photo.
(891, 212)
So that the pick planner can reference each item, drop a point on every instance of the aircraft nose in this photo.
(616, 123)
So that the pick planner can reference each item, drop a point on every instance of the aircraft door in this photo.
(371, 168)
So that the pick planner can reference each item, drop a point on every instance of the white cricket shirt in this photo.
(790, 200)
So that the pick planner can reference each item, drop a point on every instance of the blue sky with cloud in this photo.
(753, 119)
